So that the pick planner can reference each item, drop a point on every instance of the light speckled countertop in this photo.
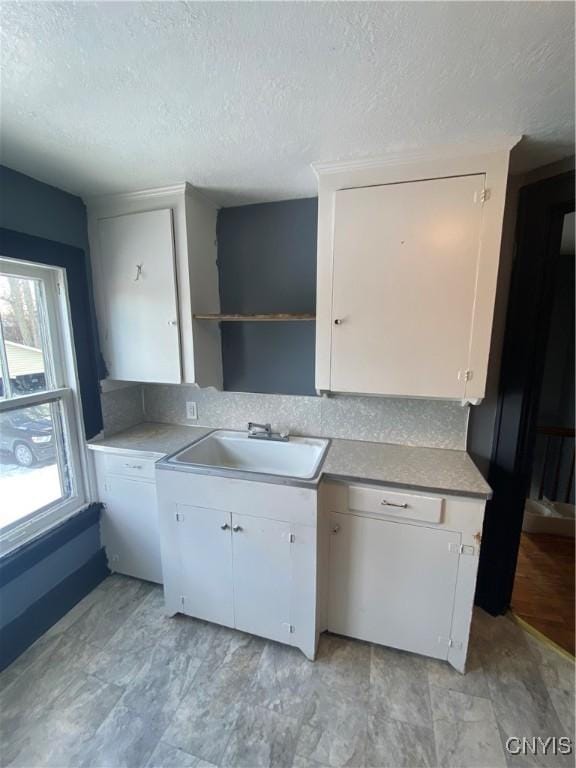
(436, 470)
(151, 437)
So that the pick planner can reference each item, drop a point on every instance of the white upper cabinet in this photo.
(154, 266)
(140, 303)
(408, 257)
(405, 262)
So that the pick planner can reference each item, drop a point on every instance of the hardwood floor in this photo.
(544, 586)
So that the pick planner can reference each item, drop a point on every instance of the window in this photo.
(41, 465)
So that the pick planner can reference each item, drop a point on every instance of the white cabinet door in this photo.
(129, 527)
(392, 583)
(404, 280)
(262, 576)
(204, 545)
(138, 291)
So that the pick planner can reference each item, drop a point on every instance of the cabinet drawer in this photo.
(130, 466)
(407, 506)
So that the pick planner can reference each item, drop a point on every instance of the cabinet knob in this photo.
(225, 526)
(335, 528)
(338, 321)
(236, 528)
(172, 322)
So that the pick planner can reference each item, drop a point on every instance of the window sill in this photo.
(40, 523)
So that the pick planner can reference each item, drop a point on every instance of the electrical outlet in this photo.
(191, 410)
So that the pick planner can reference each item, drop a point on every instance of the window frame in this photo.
(63, 376)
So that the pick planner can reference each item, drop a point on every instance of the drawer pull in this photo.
(385, 503)
(133, 466)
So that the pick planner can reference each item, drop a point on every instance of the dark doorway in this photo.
(541, 212)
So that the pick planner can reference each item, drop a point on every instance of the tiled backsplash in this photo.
(122, 408)
(433, 423)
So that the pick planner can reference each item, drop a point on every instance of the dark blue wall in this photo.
(35, 208)
(267, 263)
(42, 580)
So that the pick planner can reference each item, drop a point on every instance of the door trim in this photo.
(541, 211)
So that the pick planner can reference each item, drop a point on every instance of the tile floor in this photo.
(115, 683)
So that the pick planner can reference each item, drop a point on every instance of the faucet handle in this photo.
(253, 427)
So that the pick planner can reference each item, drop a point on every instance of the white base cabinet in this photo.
(129, 522)
(394, 577)
(392, 583)
(235, 570)
(204, 557)
(243, 555)
(262, 575)
(384, 565)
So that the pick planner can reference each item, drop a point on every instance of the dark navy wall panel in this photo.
(267, 263)
(269, 357)
(19, 634)
(34, 208)
(39, 209)
(44, 579)
(47, 573)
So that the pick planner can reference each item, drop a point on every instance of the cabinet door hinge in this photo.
(465, 375)
(461, 549)
(291, 538)
(481, 197)
(182, 601)
(179, 517)
(450, 642)
(59, 288)
(288, 627)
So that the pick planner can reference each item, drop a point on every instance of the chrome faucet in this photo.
(264, 432)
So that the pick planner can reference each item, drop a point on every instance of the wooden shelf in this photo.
(256, 318)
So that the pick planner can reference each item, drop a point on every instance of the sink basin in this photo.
(298, 457)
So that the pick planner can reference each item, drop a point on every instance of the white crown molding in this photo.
(420, 155)
(202, 195)
(183, 188)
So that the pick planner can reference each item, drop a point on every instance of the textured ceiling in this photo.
(239, 98)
